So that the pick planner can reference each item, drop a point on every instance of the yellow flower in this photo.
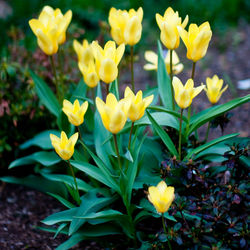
(161, 196)
(213, 88)
(184, 95)
(107, 60)
(136, 105)
(75, 112)
(89, 73)
(126, 26)
(64, 147)
(168, 26)
(152, 58)
(50, 29)
(113, 113)
(84, 52)
(196, 40)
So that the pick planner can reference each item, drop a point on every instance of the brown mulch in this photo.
(22, 209)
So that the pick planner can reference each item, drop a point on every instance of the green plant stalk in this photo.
(58, 94)
(117, 152)
(60, 60)
(180, 134)
(165, 230)
(207, 133)
(77, 190)
(130, 135)
(132, 67)
(171, 77)
(107, 89)
(189, 108)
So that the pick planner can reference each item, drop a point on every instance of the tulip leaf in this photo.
(45, 94)
(113, 88)
(60, 229)
(163, 81)
(42, 157)
(209, 144)
(207, 115)
(163, 135)
(65, 202)
(80, 91)
(109, 214)
(82, 185)
(41, 140)
(64, 124)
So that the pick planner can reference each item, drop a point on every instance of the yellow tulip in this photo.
(213, 88)
(64, 147)
(168, 25)
(75, 112)
(84, 52)
(196, 40)
(136, 105)
(126, 26)
(184, 95)
(50, 29)
(152, 58)
(113, 113)
(161, 196)
(89, 73)
(107, 60)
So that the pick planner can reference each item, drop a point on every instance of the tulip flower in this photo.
(126, 26)
(136, 104)
(213, 88)
(184, 95)
(168, 25)
(196, 40)
(75, 112)
(113, 113)
(107, 60)
(50, 29)
(161, 196)
(64, 147)
(89, 73)
(152, 58)
(84, 52)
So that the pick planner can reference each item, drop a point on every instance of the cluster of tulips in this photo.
(101, 64)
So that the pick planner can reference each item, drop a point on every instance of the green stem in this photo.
(132, 67)
(93, 94)
(165, 230)
(180, 134)
(107, 89)
(193, 70)
(117, 151)
(171, 77)
(55, 76)
(130, 135)
(73, 175)
(207, 133)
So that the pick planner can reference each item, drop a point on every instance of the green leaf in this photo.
(39, 183)
(42, 157)
(45, 94)
(109, 214)
(60, 229)
(209, 144)
(163, 80)
(80, 91)
(204, 116)
(41, 140)
(163, 135)
(64, 124)
(82, 185)
(65, 202)
(113, 88)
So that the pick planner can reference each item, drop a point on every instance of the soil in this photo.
(22, 209)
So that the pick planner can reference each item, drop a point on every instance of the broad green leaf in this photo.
(163, 135)
(207, 115)
(65, 202)
(39, 183)
(42, 157)
(60, 229)
(113, 88)
(80, 91)
(163, 80)
(82, 185)
(209, 144)
(41, 140)
(45, 94)
(64, 124)
(106, 214)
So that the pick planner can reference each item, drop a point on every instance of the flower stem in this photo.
(132, 67)
(130, 135)
(193, 70)
(207, 133)
(171, 77)
(107, 89)
(180, 134)
(165, 230)
(117, 151)
(55, 76)
(73, 175)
